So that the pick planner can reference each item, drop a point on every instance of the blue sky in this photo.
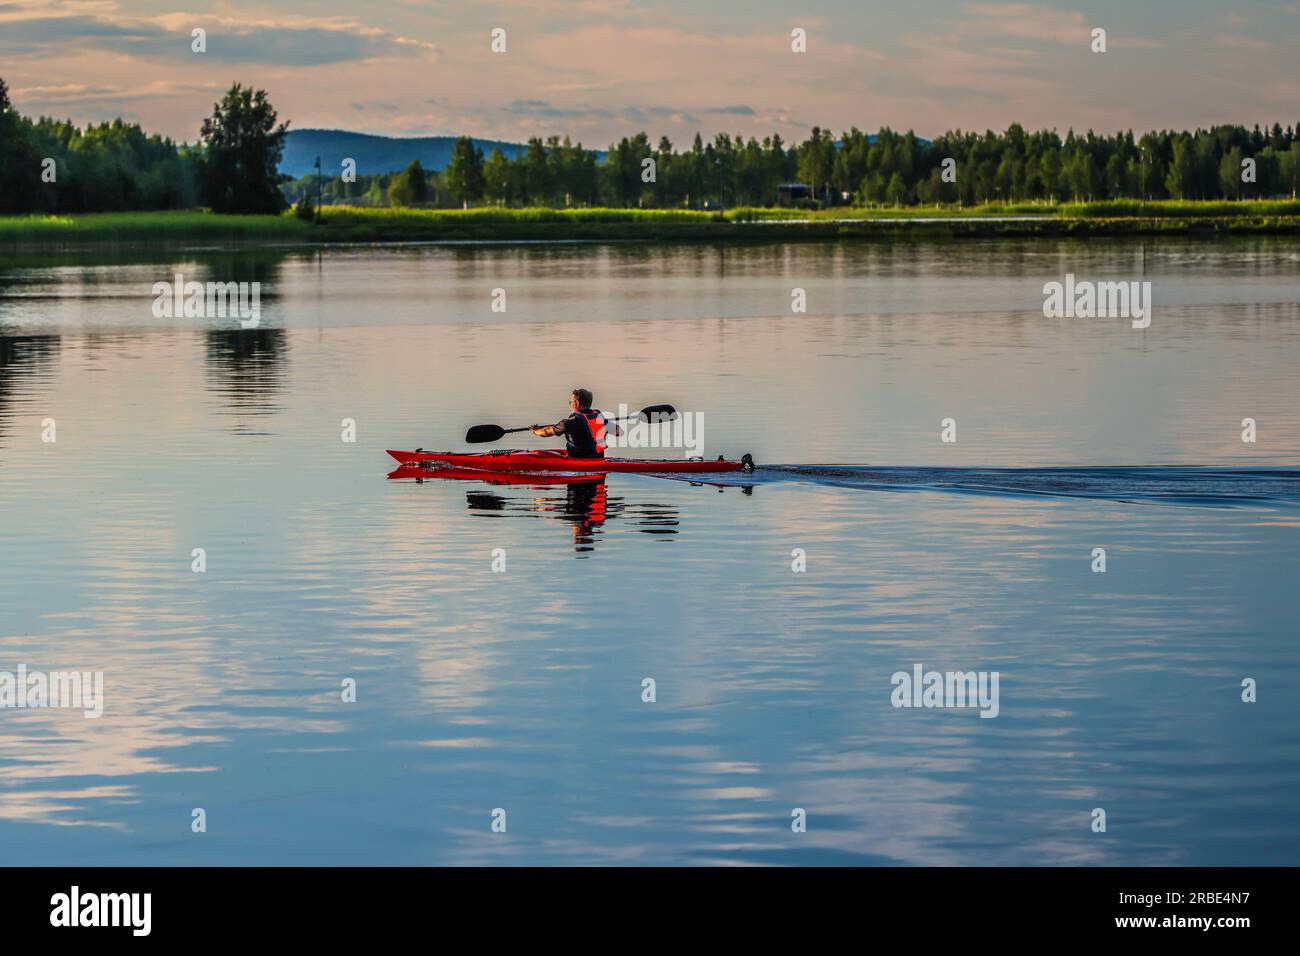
(601, 69)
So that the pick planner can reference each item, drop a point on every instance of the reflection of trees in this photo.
(245, 367)
(262, 266)
(246, 370)
(27, 355)
(106, 267)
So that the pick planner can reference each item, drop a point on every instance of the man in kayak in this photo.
(583, 431)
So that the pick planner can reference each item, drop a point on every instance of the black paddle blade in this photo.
(479, 434)
(658, 413)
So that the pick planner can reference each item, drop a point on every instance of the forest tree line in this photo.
(233, 167)
(887, 168)
(53, 166)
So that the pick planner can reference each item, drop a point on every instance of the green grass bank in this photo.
(362, 225)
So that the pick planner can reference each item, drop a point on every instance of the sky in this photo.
(597, 70)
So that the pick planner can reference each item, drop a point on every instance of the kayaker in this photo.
(584, 430)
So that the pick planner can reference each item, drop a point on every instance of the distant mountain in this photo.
(374, 154)
(389, 154)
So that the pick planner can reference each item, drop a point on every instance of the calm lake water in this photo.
(522, 690)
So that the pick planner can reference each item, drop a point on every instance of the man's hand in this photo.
(542, 431)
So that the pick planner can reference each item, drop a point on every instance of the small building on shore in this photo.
(787, 194)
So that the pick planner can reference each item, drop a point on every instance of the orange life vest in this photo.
(596, 422)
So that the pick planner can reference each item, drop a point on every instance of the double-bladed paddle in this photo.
(479, 434)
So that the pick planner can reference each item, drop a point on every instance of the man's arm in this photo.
(549, 431)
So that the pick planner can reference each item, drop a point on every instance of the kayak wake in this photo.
(1176, 484)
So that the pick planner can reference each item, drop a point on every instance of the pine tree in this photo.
(465, 176)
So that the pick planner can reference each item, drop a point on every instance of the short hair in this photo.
(583, 396)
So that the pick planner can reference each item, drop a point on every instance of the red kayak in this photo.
(421, 473)
(553, 461)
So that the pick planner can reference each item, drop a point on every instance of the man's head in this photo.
(580, 400)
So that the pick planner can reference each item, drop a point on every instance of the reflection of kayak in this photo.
(493, 478)
(581, 500)
(549, 461)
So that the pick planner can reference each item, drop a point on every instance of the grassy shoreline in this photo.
(353, 225)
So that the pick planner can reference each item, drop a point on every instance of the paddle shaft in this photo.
(488, 433)
(625, 418)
